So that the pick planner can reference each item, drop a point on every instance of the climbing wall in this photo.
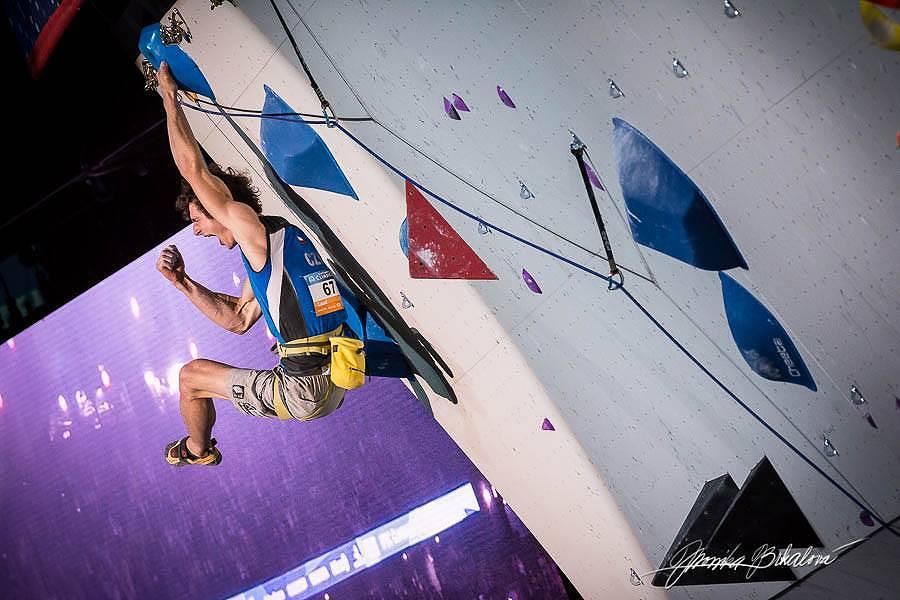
(749, 193)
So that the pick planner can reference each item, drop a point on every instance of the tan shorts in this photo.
(307, 397)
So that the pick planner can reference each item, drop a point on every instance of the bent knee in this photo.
(192, 372)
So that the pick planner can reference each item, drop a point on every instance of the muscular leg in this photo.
(200, 381)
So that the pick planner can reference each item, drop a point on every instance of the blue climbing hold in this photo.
(404, 237)
(763, 342)
(666, 210)
(184, 69)
(296, 151)
(383, 356)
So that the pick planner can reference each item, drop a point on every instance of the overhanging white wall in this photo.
(786, 122)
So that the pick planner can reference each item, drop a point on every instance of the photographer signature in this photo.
(693, 556)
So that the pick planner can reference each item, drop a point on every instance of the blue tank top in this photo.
(296, 291)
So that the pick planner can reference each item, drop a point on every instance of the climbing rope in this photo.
(256, 115)
(326, 107)
(296, 117)
(430, 158)
(251, 111)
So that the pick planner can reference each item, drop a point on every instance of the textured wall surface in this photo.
(786, 123)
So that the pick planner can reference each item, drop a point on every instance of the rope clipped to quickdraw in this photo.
(326, 107)
(577, 148)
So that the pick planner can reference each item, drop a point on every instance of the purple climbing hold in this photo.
(530, 282)
(897, 403)
(866, 519)
(504, 97)
(592, 175)
(547, 425)
(450, 110)
(870, 420)
(459, 103)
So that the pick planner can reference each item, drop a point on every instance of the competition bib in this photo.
(324, 292)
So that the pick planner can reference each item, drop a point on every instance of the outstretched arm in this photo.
(211, 191)
(228, 312)
(184, 146)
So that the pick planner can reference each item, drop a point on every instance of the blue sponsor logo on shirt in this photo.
(319, 277)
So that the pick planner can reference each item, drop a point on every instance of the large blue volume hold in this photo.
(184, 69)
(296, 151)
(763, 342)
(383, 356)
(666, 210)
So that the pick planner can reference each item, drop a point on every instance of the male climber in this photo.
(287, 282)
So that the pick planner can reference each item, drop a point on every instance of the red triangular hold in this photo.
(435, 249)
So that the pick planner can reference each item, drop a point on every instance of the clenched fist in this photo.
(171, 265)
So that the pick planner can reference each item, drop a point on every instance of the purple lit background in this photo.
(91, 510)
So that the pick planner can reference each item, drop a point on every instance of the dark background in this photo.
(71, 216)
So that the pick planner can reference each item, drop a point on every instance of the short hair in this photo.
(239, 184)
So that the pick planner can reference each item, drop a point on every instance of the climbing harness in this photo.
(347, 367)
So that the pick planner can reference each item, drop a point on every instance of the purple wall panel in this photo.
(91, 509)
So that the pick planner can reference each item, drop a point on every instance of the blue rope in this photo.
(416, 183)
(613, 285)
(762, 421)
(473, 216)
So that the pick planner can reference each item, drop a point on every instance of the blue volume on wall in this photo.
(383, 356)
(404, 237)
(296, 151)
(666, 211)
(184, 69)
(763, 342)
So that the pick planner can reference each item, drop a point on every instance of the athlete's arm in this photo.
(211, 191)
(229, 312)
